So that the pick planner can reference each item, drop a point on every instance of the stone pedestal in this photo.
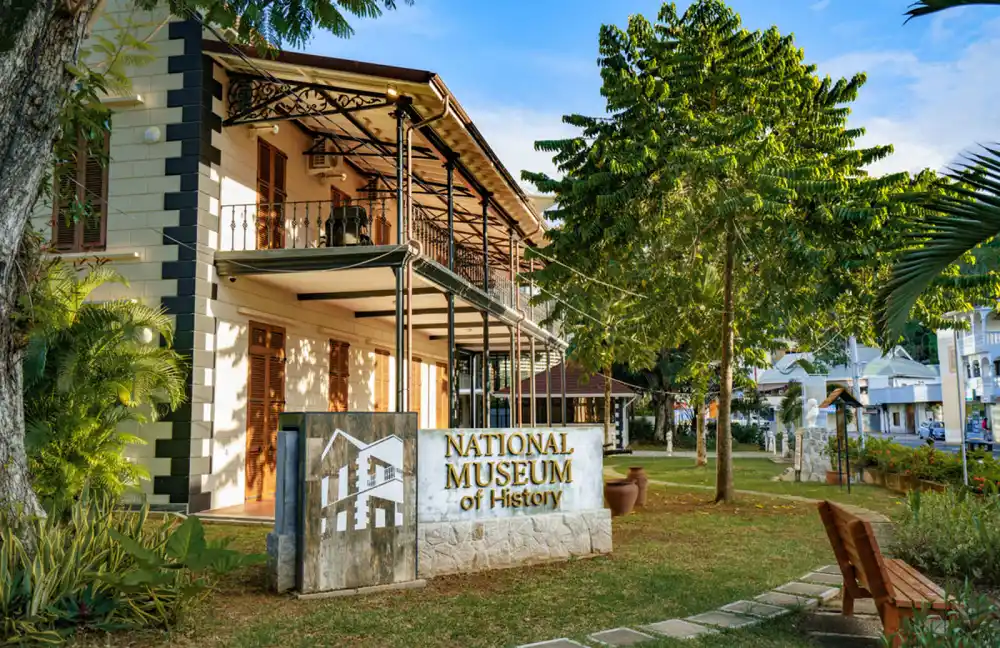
(815, 462)
(281, 561)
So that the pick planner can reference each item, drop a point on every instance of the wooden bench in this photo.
(897, 588)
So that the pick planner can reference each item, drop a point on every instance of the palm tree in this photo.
(965, 217)
(924, 7)
(89, 368)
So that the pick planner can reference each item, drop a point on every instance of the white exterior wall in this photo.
(308, 326)
(950, 385)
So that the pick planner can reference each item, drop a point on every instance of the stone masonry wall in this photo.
(470, 546)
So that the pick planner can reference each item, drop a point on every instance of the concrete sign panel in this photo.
(475, 474)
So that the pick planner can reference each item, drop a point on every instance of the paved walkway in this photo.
(816, 592)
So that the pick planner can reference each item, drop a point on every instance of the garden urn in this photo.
(620, 496)
(637, 475)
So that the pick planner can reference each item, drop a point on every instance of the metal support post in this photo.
(548, 386)
(486, 315)
(533, 414)
(563, 376)
(452, 386)
(400, 333)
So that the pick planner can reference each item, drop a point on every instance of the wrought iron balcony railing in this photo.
(300, 224)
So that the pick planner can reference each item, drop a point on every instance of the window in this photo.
(271, 167)
(381, 380)
(81, 182)
(339, 198)
(339, 375)
(443, 397)
(895, 418)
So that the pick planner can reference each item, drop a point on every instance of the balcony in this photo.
(299, 225)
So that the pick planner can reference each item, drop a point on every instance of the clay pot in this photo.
(621, 496)
(637, 475)
(874, 477)
(833, 478)
(892, 482)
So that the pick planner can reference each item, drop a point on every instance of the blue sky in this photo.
(518, 65)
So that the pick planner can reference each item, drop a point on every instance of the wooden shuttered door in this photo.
(443, 400)
(80, 213)
(416, 389)
(265, 401)
(339, 375)
(271, 175)
(381, 380)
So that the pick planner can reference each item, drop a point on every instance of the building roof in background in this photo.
(576, 384)
(897, 363)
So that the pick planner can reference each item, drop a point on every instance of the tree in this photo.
(40, 47)
(89, 367)
(724, 144)
(925, 7)
(966, 217)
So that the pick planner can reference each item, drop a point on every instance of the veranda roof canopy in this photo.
(348, 107)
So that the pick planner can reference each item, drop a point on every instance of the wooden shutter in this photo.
(443, 397)
(339, 375)
(381, 380)
(271, 192)
(83, 179)
(265, 401)
(416, 389)
(338, 198)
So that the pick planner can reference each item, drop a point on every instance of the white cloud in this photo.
(937, 110)
(820, 6)
(939, 30)
(512, 132)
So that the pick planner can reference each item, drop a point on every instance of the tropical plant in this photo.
(925, 7)
(952, 534)
(105, 570)
(973, 622)
(89, 369)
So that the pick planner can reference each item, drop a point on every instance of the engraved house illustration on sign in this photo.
(367, 491)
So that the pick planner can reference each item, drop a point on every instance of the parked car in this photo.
(931, 430)
(976, 436)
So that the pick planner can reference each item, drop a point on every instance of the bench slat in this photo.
(913, 589)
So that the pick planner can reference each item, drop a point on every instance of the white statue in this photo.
(812, 413)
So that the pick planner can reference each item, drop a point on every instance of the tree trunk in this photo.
(37, 42)
(659, 421)
(701, 455)
(668, 415)
(723, 436)
(608, 440)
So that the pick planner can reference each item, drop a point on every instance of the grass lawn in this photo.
(680, 556)
(662, 447)
(756, 474)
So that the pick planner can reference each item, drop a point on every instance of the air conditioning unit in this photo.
(324, 164)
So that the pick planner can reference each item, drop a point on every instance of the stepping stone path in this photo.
(820, 586)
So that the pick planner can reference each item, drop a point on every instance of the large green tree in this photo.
(725, 151)
(40, 70)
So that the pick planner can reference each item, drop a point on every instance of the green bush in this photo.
(640, 431)
(101, 569)
(974, 623)
(89, 368)
(955, 534)
(747, 434)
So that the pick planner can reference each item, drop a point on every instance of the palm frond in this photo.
(963, 219)
(925, 7)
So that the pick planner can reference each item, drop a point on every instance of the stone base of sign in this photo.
(470, 546)
(815, 461)
(281, 561)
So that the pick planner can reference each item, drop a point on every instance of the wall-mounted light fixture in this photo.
(392, 92)
(151, 135)
(262, 128)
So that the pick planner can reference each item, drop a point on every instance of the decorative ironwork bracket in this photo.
(254, 99)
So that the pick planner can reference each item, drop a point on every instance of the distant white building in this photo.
(978, 375)
(898, 392)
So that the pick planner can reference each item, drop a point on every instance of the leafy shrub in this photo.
(955, 534)
(975, 623)
(90, 368)
(640, 430)
(747, 434)
(106, 570)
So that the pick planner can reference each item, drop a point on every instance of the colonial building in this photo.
(328, 234)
